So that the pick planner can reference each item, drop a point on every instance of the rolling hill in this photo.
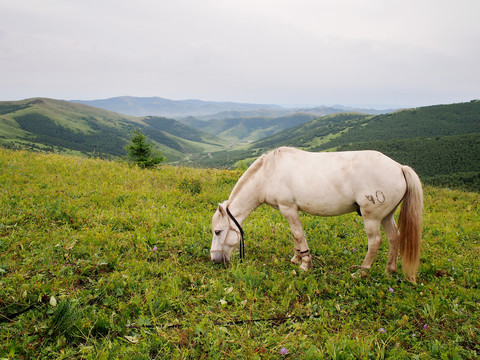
(62, 126)
(210, 110)
(250, 128)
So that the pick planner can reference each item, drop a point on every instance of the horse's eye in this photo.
(218, 232)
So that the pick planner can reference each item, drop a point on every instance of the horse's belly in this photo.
(325, 207)
(319, 202)
(311, 194)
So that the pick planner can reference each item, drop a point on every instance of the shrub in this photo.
(143, 153)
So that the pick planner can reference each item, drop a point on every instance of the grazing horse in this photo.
(328, 184)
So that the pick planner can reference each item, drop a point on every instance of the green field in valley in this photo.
(102, 260)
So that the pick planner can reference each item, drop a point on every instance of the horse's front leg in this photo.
(302, 255)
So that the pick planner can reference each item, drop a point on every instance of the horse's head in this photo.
(226, 235)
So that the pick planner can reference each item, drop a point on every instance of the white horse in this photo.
(328, 184)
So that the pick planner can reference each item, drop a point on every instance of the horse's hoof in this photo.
(390, 272)
(296, 260)
(361, 273)
(411, 279)
(306, 266)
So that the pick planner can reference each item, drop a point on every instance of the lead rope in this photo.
(242, 240)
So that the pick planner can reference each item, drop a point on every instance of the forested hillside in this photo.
(61, 126)
(340, 129)
(319, 131)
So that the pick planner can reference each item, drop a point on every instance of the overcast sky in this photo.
(349, 52)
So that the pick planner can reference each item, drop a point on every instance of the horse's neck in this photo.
(245, 201)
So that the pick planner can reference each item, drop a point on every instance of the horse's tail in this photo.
(410, 224)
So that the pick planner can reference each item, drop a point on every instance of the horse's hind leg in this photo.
(388, 224)
(302, 253)
(372, 228)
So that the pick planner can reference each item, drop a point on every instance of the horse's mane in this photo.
(257, 164)
(247, 175)
(281, 150)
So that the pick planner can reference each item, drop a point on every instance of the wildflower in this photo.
(382, 330)
(354, 249)
(425, 327)
(155, 248)
(283, 351)
(391, 290)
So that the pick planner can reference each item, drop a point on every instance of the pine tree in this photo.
(142, 152)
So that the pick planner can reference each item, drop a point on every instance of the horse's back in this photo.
(343, 165)
(332, 183)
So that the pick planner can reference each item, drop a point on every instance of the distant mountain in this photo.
(336, 109)
(66, 127)
(275, 113)
(157, 106)
(209, 110)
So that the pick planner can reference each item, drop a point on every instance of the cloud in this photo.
(283, 51)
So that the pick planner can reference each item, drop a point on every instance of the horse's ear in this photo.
(222, 210)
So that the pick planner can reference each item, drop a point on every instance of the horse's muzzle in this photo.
(219, 256)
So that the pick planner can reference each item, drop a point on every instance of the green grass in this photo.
(100, 260)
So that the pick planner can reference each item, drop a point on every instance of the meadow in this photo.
(103, 260)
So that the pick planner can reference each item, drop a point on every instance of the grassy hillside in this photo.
(100, 260)
(319, 131)
(54, 125)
